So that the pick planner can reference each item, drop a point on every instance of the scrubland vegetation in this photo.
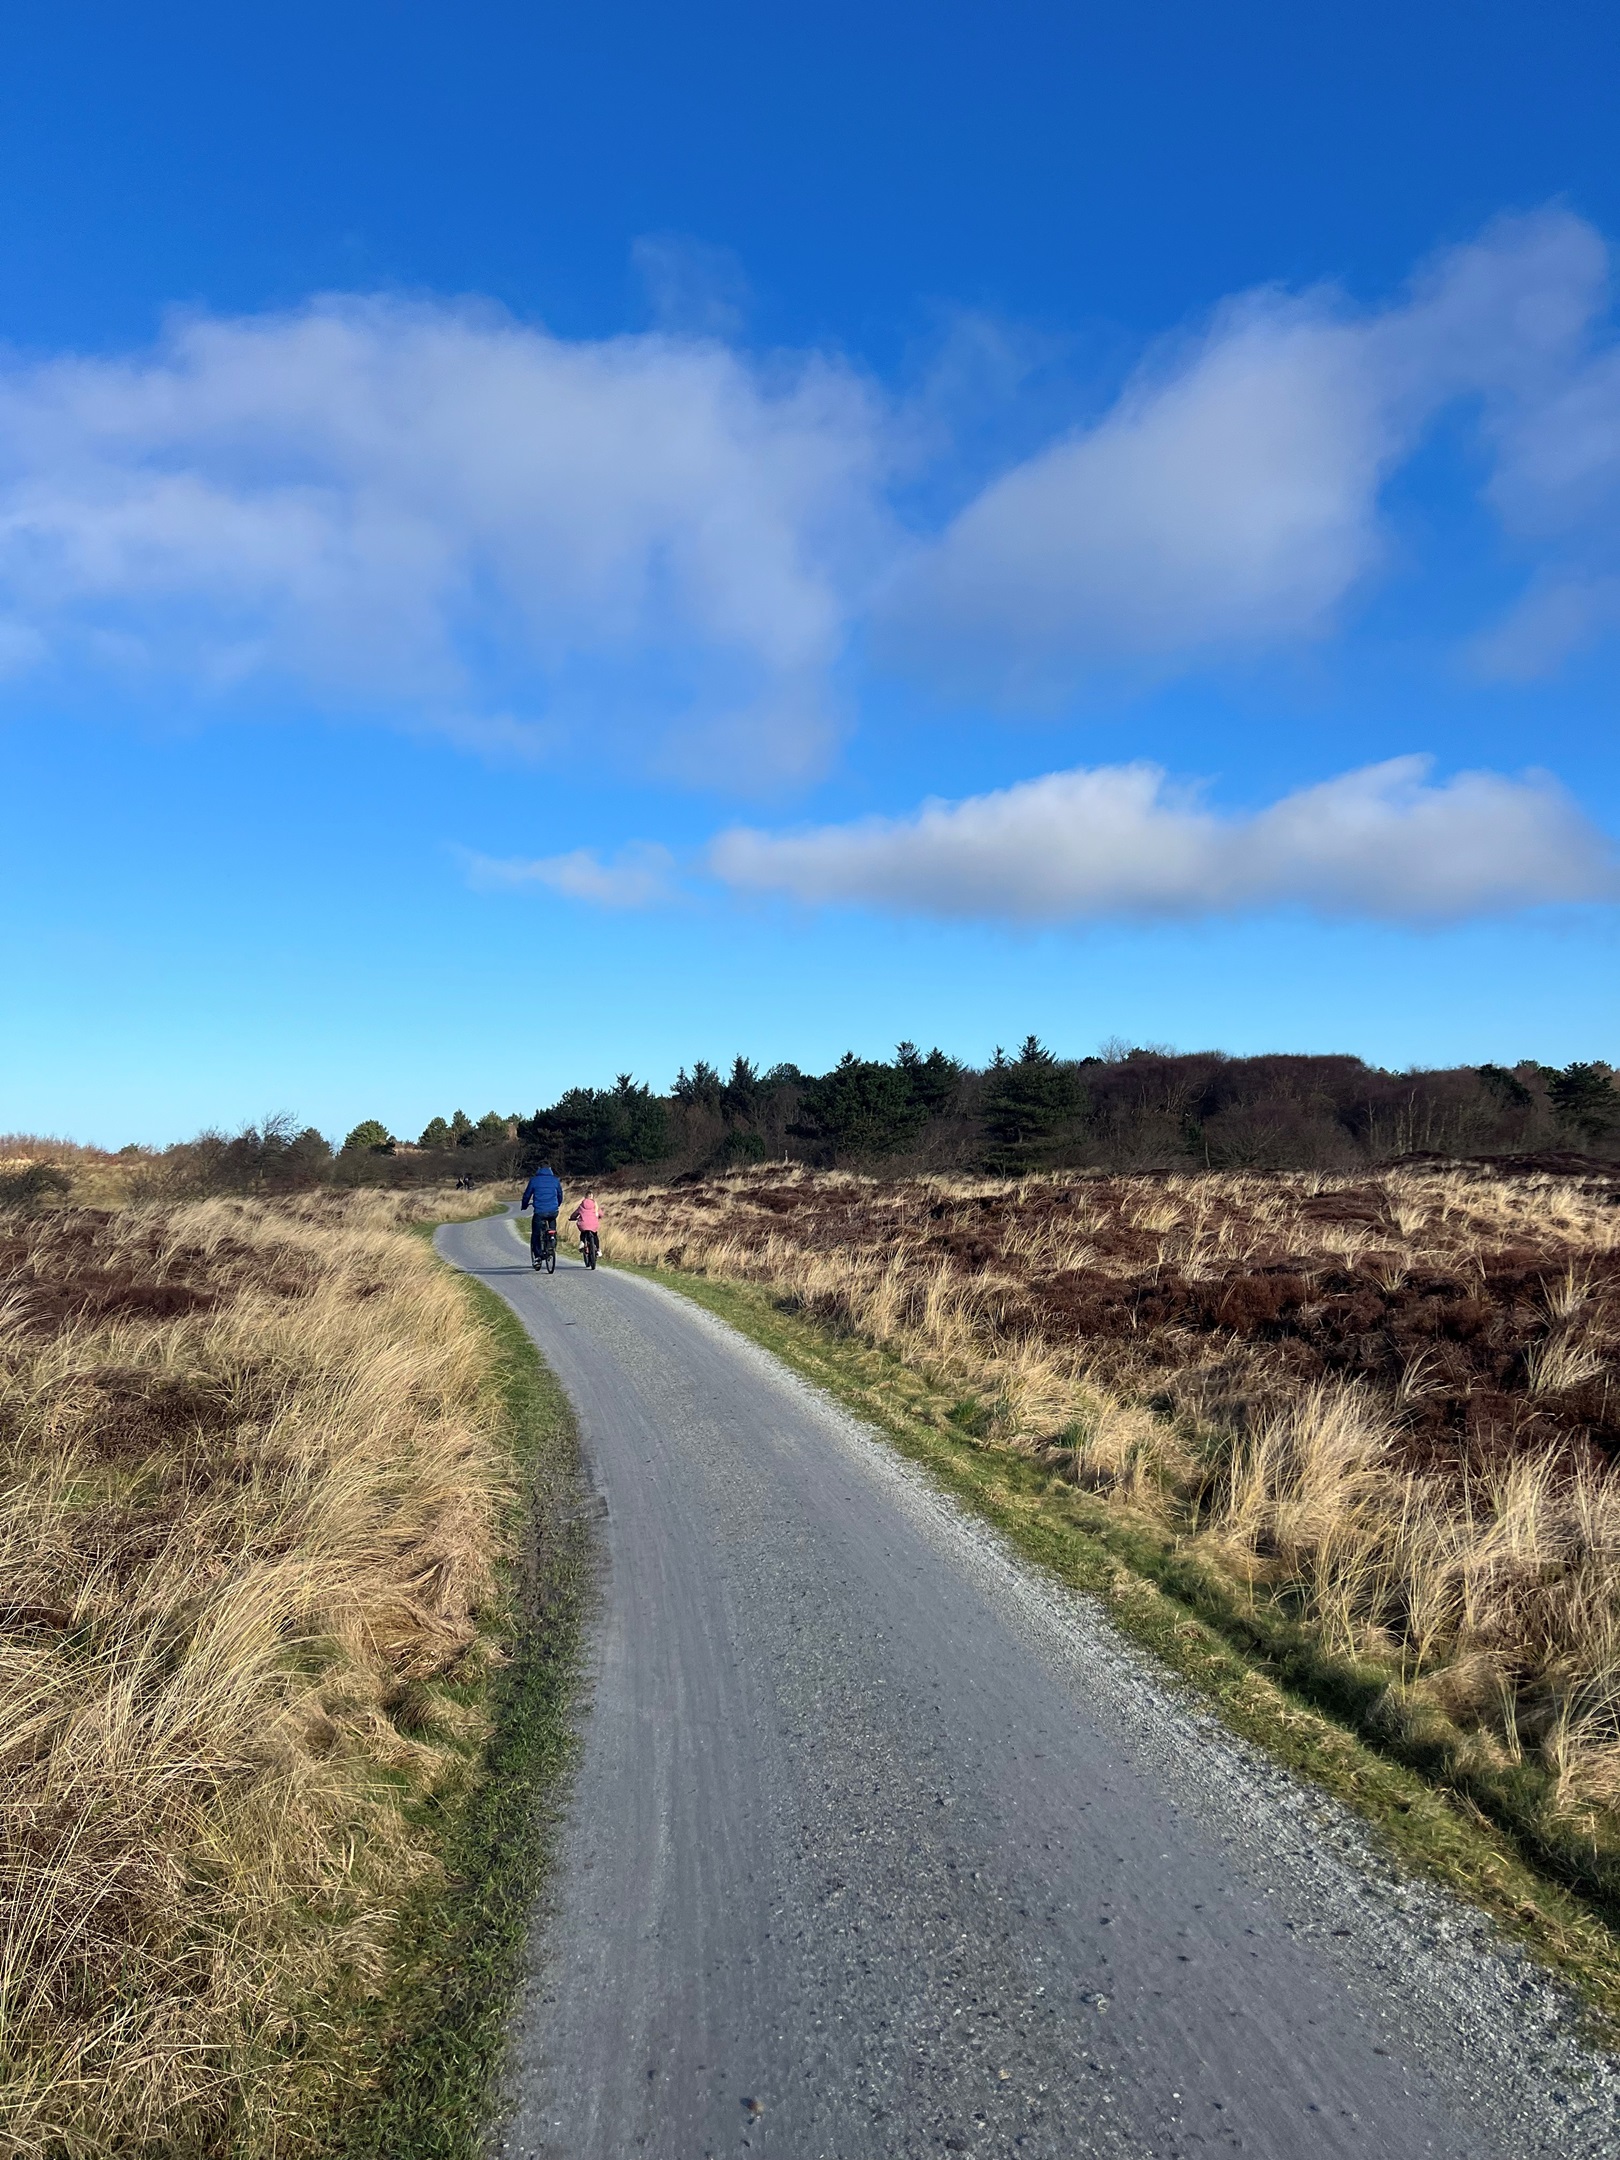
(1381, 1411)
(249, 1534)
(255, 1503)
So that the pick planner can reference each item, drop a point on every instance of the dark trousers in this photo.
(540, 1228)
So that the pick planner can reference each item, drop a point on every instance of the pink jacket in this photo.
(587, 1215)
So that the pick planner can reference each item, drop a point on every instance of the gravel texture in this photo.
(884, 1844)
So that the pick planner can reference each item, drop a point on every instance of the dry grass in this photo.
(84, 1176)
(1385, 1410)
(246, 1508)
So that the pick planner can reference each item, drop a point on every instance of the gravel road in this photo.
(883, 1845)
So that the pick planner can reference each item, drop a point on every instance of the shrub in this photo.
(26, 1187)
(490, 1131)
(934, 1080)
(1506, 1087)
(1584, 1098)
(702, 1088)
(742, 1147)
(863, 1107)
(369, 1137)
(1030, 1100)
(591, 1130)
(267, 1158)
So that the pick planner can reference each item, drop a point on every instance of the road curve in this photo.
(882, 1846)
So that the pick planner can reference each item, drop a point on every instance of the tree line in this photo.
(1130, 1108)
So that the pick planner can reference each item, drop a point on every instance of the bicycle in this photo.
(543, 1248)
(590, 1244)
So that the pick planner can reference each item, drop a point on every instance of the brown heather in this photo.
(246, 1526)
(1384, 1408)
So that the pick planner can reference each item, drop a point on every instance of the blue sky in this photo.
(534, 545)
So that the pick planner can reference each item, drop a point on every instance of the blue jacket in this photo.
(543, 1193)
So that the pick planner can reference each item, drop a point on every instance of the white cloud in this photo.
(519, 539)
(441, 508)
(1233, 504)
(1122, 841)
(1230, 499)
(638, 876)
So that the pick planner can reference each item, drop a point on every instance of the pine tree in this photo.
(370, 1136)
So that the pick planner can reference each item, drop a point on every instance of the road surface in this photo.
(883, 1846)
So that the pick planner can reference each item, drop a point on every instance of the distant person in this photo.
(589, 1217)
(544, 1194)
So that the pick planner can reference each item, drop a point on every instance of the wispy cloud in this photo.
(1556, 489)
(638, 876)
(1560, 615)
(1229, 501)
(499, 738)
(1123, 841)
(693, 288)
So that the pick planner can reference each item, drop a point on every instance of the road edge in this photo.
(441, 2030)
(1090, 1547)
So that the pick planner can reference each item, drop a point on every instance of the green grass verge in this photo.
(432, 2045)
(1264, 1675)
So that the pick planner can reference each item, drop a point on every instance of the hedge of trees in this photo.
(1140, 1108)
(1134, 1108)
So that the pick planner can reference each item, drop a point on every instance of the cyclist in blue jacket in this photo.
(544, 1194)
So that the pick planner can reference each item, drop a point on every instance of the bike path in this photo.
(881, 1846)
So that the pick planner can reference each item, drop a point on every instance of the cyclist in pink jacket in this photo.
(589, 1218)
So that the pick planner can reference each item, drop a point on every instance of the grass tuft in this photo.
(1383, 1417)
(435, 2044)
(259, 1718)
